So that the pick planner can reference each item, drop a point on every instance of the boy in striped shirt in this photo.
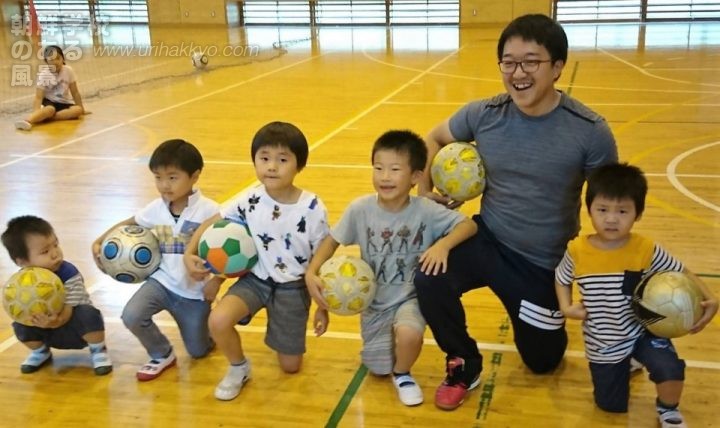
(31, 242)
(607, 265)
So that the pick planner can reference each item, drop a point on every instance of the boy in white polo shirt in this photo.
(173, 218)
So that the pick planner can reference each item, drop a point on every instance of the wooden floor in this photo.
(658, 87)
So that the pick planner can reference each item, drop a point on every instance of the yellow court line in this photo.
(680, 212)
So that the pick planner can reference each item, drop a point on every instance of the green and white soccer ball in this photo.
(228, 249)
(458, 172)
(348, 284)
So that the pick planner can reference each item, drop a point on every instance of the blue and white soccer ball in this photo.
(130, 253)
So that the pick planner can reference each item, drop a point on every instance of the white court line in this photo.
(84, 83)
(310, 165)
(385, 98)
(482, 346)
(681, 69)
(12, 340)
(672, 176)
(453, 103)
(655, 76)
(144, 159)
(684, 175)
(156, 112)
(598, 88)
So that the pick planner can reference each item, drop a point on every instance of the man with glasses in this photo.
(538, 145)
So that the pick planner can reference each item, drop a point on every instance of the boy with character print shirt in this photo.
(285, 235)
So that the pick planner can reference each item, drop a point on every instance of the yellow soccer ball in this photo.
(32, 291)
(458, 172)
(348, 284)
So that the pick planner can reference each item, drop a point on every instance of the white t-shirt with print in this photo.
(285, 235)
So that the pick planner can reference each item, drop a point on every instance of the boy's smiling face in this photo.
(393, 178)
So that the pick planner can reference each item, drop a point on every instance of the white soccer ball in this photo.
(199, 60)
(668, 303)
(457, 171)
(130, 253)
(348, 284)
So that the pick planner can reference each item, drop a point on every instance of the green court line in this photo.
(708, 275)
(572, 78)
(347, 397)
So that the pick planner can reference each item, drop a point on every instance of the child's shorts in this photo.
(287, 306)
(377, 329)
(85, 319)
(58, 106)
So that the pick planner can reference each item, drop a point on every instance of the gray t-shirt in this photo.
(535, 167)
(392, 243)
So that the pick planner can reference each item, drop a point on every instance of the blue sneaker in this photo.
(35, 361)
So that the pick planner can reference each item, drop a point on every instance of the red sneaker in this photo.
(451, 393)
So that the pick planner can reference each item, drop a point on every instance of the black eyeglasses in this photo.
(526, 65)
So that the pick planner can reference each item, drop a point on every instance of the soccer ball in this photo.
(228, 249)
(130, 253)
(32, 291)
(348, 284)
(667, 303)
(199, 60)
(457, 171)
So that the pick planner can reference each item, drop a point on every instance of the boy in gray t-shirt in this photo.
(397, 233)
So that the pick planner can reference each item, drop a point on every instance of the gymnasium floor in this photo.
(658, 86)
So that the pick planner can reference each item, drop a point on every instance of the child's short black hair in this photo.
(178, 153)
(403, 141)
(51, 50)
(15, 236)
(617, 181)
(282, 134)
(540, 29)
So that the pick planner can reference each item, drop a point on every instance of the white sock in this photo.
(96, 347)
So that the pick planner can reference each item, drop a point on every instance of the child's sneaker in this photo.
(23, 125)
(101, 362)
(232, 383)
(155, 367)
(462, 376)
(635, 366)
(35, 361)
(408, 390)
(672, 419)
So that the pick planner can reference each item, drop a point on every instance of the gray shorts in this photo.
(287, 306)
(377, 329)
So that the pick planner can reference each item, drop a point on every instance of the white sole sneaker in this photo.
(229, 387)
(408, 390)
(23, 125)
